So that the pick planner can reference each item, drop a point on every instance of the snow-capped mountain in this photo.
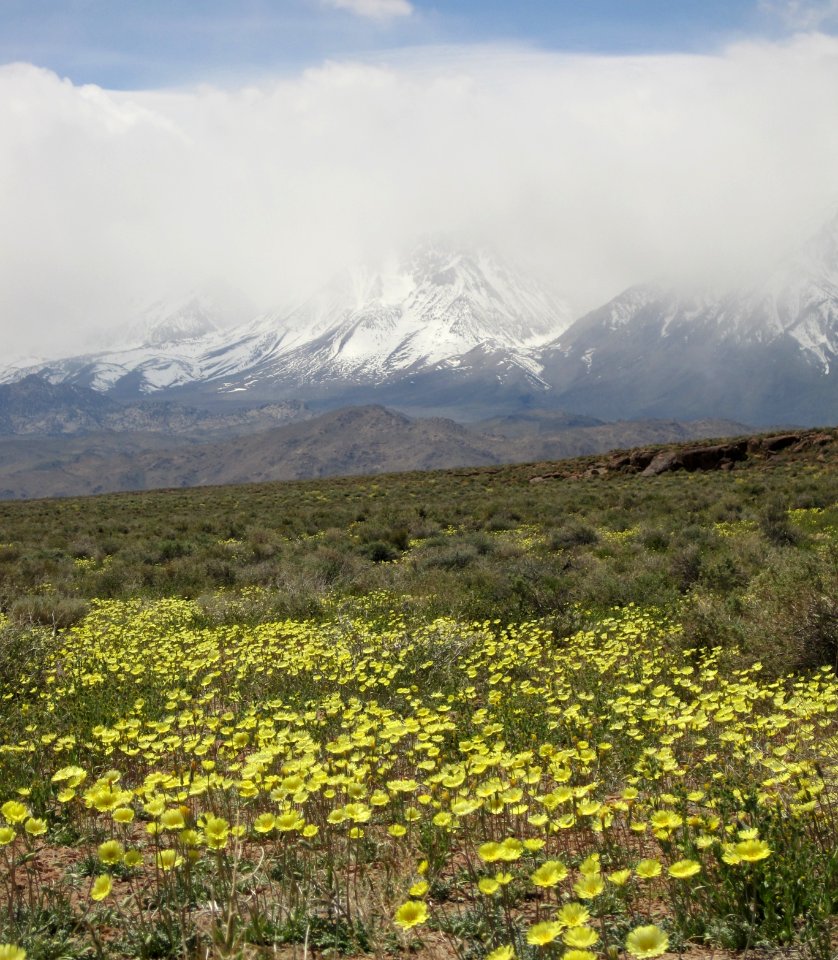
(166, 323)
(768, 354)
(426, 311)
(433, 307)
(800, 299)
(461, 333)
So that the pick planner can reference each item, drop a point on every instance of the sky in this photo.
(151, 147)
(159, 43)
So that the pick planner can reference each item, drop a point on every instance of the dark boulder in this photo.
(698, 458)
(772, 444)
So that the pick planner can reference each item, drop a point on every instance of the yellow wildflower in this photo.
(14, 811)
(489, 852)
(501, 953)
(172, 820)
(411, 914)
(647, 941)
(169, 859)
(541, 934)
(682, 869)
(111, 852)
(101, 887)
(589, 886)
(750, 851)
(264, 823)
(549, 874)
(573, 915)
(580, 937)
(10, 951)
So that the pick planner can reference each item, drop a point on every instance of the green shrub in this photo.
(48, 610)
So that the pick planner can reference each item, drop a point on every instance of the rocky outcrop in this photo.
(655, 461)
(773, 444)
(716, 457)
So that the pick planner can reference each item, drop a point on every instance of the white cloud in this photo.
(803, 14)
(596, 171)
(374, 9)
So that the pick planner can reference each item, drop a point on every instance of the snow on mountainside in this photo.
(798, 300)
(367, 327)
(768, 354)
(433, 307)
(801, 298)
(202, 312)
(164, 323)
(449, 329)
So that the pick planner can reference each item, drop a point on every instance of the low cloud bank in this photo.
(593, 171)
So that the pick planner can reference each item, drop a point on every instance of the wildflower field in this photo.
(219, 775)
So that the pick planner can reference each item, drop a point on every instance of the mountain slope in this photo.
(460, 334)
(355, 440)
(35, 407)
(764, 355)
(367, 328)
(435, 306)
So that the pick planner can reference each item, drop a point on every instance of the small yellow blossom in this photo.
(10, 951)
(411, 914)
(14, 811)
(489, 852)
(647, 941)
(169, 859)
(101, 887)
(647, 869)
(549, 874)
(543, 933)
(501, 953)
(111, 852)
(264, 823)
(750, 851)
(172, 820)
(682, 869)
(573, 915)
(589, 886)
(580, 937)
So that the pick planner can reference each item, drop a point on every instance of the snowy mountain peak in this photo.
(821, 251)
(762, 354)
(432, 304)
(199, 313)
(166, 323)
(372, 325)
